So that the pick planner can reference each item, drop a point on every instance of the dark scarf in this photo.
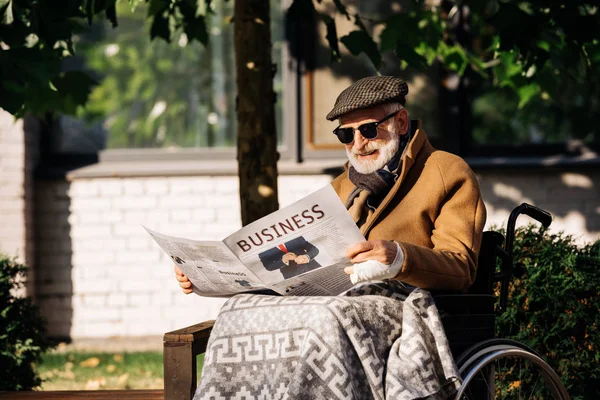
(378, 183)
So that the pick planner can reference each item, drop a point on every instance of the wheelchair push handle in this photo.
(534, 212)
(508, 269)
(543, 217)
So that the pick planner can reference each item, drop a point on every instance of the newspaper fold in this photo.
(299, 250)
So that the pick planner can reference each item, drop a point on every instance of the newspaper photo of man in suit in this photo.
(291, 258)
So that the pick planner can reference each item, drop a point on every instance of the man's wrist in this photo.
(375, 270)
(396, 266)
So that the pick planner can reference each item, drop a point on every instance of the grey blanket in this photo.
(379, 341)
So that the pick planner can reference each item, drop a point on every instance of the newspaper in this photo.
(299, 250)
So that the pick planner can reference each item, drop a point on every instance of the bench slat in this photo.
(190, 333)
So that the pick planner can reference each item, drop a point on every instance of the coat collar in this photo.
(413, 147)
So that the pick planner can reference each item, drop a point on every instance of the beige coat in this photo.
(436, 214)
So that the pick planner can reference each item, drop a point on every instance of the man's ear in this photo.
(402, 121)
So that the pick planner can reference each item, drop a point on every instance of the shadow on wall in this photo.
(571, 196)
(54, 287)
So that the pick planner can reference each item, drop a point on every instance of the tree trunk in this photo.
(257, 136)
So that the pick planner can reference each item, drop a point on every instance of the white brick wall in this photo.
(18, 155)
(12, 187)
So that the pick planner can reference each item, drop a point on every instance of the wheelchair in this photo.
(495, 368)
(490, 367)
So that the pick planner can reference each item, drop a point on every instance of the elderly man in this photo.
(422, 215)
(419, 208)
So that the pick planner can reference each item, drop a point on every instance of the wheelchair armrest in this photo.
(180, 348)
(465, 303)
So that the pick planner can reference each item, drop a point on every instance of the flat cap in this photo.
(369, 92)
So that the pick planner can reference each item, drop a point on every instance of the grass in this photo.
(93, 371)
(97, 371)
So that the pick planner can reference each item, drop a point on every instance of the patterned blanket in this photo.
(378, 341)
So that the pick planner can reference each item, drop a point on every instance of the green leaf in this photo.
(512, 14)
(157, 7)
(399, 27)
(544, 45)
(361, 42)
(414, 37)
(408, 54)
(111, 14)
(160, 28)
(195, 28)
(509, 60)
(8, 16)
(209, 9)
(454, 57)
(300, 11)
(11, 97)
(388, 38)
(89, 10)
(332, 37)
(75, 85)
(526, 93)
(508, 69)
(477, 64)
(457, 61)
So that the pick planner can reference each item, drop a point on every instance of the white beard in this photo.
(386, 152)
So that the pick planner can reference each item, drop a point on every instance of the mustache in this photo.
(369, 148)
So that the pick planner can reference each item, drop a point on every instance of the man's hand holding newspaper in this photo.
(184, 281)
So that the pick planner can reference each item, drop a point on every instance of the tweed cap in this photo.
(369, 92)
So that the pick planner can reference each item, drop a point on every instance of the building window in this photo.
(155, 94)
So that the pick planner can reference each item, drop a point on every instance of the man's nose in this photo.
(359, 140)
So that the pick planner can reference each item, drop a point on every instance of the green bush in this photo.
(22, 331)
(555, 306)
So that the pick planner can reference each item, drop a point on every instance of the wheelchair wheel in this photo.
(505, 369)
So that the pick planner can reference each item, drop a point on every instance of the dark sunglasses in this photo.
(368, 130)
